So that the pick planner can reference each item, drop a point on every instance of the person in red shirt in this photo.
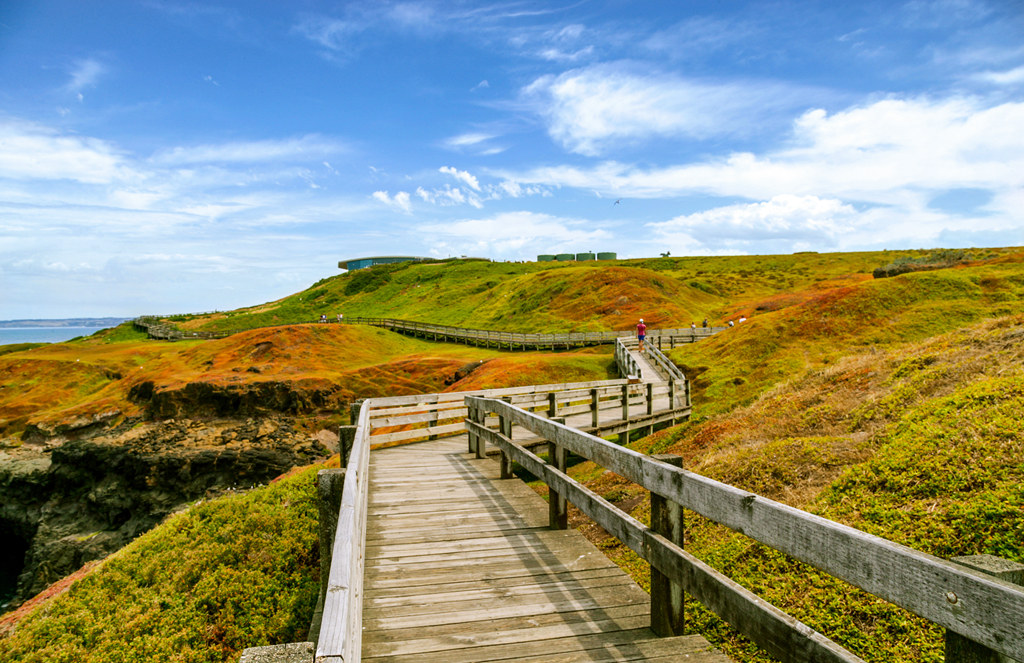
(641, 332)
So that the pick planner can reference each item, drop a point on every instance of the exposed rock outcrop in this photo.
(67, 501)
(205, 399)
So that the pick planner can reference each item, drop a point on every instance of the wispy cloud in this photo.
(875, 153)
(84, 75)
(1002, 78)
(592, 109)
(512, 234)
(305, 148)
(30, 151)
(786, 221)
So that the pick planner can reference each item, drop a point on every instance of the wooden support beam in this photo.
(963, 650)
(558, 512)
(666, 596)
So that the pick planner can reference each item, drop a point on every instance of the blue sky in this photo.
(161, 156)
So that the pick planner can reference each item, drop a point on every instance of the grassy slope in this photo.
(891, 405)
(67, 381)
(549, 297)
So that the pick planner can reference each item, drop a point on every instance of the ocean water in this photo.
(10, 335)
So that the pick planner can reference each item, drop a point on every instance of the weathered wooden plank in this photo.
(417, 433)
(692, 649)
(507, 594)
(457, 612)
(449, 644)
(548, 647)
(420, 417)
(486, 572)
(505, 623)
(596, 576)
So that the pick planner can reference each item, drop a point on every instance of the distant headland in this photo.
(64, 322)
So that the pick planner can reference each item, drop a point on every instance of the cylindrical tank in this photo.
(606, 255)
(565, 256)
(545, 257)
(584, 256)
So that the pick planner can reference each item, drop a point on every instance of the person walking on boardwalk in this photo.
(705, 325)
(641, 332)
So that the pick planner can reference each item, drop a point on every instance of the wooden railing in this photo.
(984, 610)
(156, 329)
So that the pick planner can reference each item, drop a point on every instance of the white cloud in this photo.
(29, 151)
(462, 176)
(591, 109)
(467, 140)
(84, 75)
(1011, 77)
(309, 147)
(512, 234)
(877, 153)
(399, 201)
(786, 220)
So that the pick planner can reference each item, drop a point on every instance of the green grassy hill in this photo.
(892, 405)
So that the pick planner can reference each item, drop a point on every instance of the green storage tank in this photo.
(546, 257)
(565, 256)
(580, 257)
(606, 256)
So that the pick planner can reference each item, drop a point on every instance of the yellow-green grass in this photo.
(552, 297)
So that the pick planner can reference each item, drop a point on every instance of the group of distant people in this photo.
(323, 317)
(641, 328)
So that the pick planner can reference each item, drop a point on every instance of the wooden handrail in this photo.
(985, 610)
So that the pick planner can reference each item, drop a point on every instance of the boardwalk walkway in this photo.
(461, 566)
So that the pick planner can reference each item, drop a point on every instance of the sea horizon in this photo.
(12, 335)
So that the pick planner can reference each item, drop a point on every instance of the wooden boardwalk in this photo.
(461, 566)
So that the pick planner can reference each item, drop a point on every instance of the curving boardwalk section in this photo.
(461, 566)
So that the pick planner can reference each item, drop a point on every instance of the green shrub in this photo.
(239, 571)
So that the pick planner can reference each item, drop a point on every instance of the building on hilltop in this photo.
(361, 263)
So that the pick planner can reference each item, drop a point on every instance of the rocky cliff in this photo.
(66, 500)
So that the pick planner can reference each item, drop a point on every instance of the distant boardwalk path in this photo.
(665, 338)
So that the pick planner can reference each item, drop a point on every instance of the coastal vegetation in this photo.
(889, 404)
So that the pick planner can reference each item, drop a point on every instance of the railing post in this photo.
(650, 398)
(346, 438)
(558, 512)
(686, 391)
(329, 485)
(672, 393)
(625, 402)
(481, 441)
(962, 650)
(506, 460)
(595, 409)
(472, 416)
(552, 405)
(666, 596)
